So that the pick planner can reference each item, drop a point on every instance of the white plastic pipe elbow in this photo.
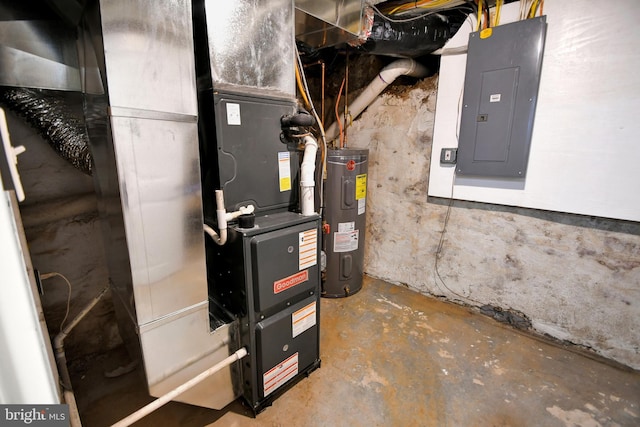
(401, 67)
(221, 213)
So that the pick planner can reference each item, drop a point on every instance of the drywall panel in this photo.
(584, 151)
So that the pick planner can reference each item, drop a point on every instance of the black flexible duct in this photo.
(49, 116)
(411, 38)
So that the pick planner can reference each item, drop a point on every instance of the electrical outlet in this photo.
(448, 156)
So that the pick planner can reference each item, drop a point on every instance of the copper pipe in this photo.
(322, 64)
(322, 102)
(346, 99)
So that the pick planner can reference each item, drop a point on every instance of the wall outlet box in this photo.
(448, 156)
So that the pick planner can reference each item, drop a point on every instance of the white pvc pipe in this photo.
(221, 211)
(61, 358)
(223, 217)
(219, 239)
(307, 176)
(401, 67)
(163, 400)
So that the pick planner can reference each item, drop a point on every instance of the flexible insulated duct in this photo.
(411, 37)
(54, 122)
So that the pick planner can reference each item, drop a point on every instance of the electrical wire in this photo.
(323, 135)
(498, 9)
(424, 4)
(398, 21)
(443, 232)
(532, 11)
(479, 15)
(528, 8)
(301, 89)
(54, 274)
(487, 15)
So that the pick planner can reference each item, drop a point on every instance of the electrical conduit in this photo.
(401, 67)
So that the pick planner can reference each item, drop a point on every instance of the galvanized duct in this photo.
(49, 116)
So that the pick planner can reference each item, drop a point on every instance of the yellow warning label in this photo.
(284, 171)
(361, 186)
(285, 184)
(486, 33)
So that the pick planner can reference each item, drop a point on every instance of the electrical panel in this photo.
(500, 94)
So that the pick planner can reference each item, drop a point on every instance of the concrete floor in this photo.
(393, 357)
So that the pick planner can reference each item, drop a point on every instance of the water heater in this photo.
(345, 200)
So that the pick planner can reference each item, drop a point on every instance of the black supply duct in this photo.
(49, 116)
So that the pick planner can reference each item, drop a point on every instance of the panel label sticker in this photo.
(308, 244)
(343, 227)
(233, 114)
(361, 186)
(362, 204)
(284, 171)
(303, 319)
(495, 97)
(289, 282)
(280, 374)
(345, 242)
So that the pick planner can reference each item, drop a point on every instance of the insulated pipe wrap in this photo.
(48, 115)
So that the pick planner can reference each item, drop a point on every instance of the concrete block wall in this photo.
(577, 278)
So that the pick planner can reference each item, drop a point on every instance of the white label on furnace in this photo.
(303, 319)
(495, 97)
(280, 374)
(362, 203)
(284, 171)
(233, 114)
(345, 242)
(308, 244)
(343, 227)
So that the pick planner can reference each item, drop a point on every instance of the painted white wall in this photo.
(26, 371)
(584, 154)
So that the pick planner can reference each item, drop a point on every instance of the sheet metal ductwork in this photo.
(141, 115)
(49, 116)
(38, 51)
(323, 23)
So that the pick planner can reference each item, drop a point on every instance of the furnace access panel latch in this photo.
(500, 94)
